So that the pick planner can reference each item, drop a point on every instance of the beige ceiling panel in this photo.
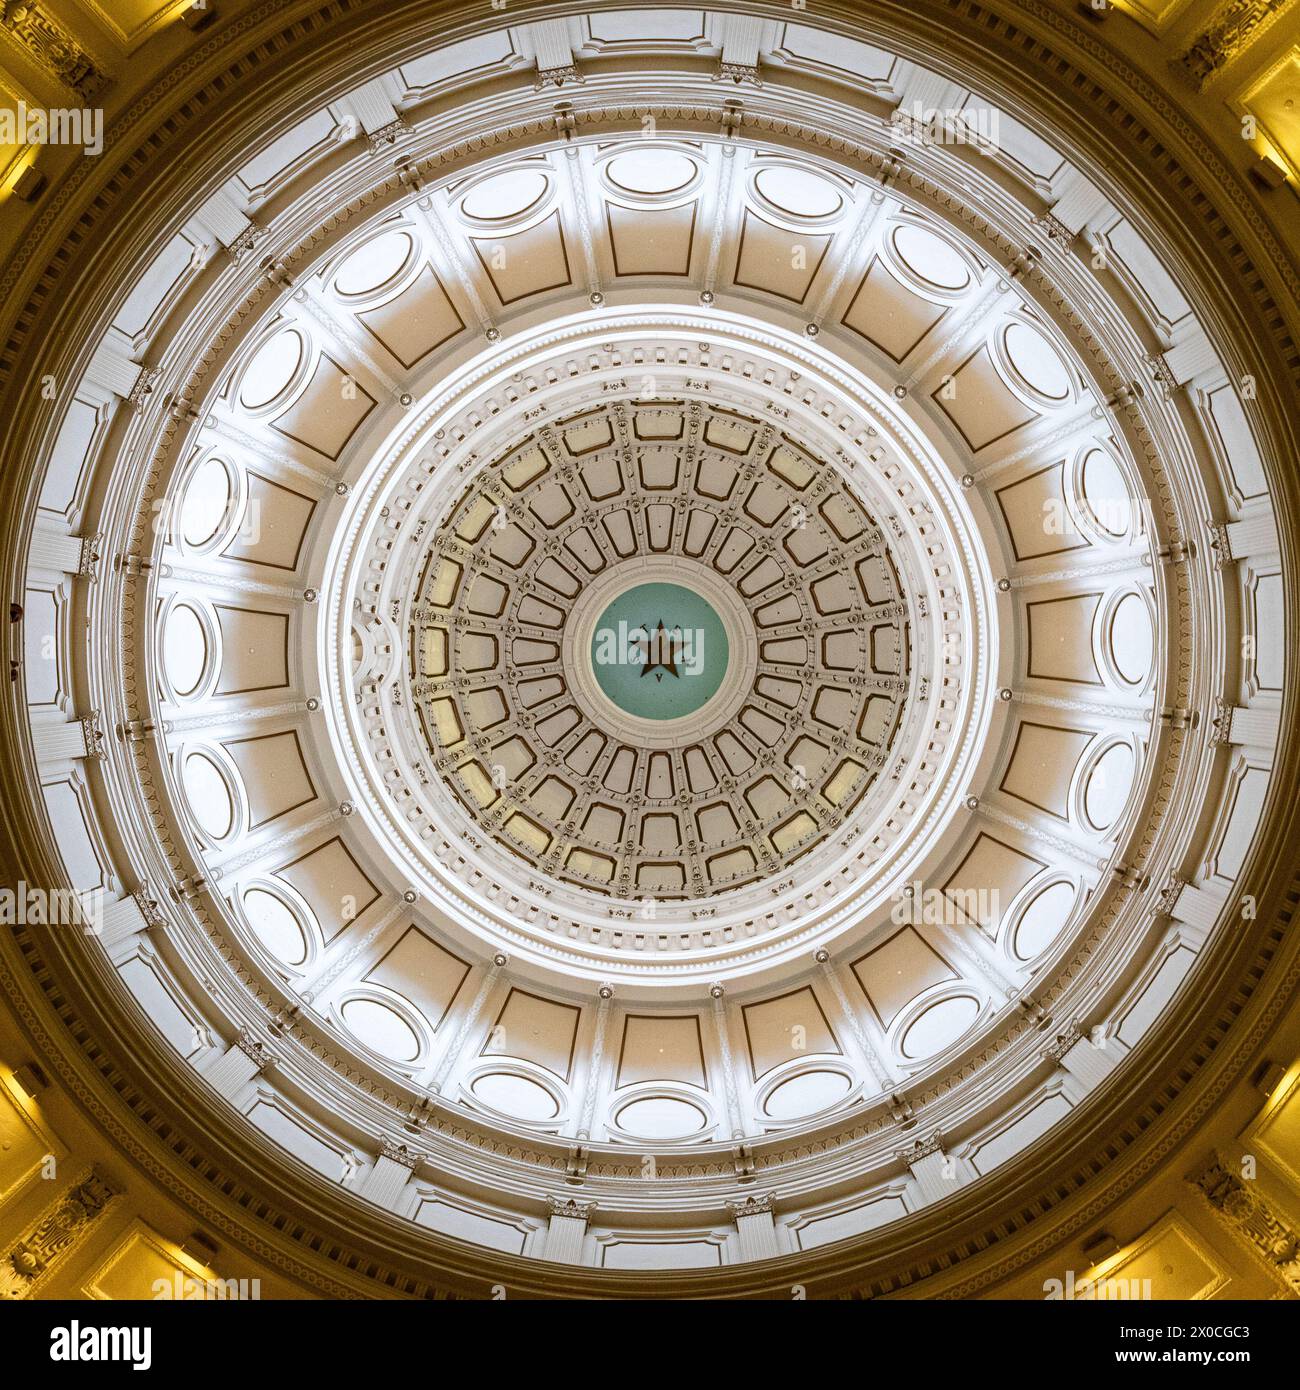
(1269, 605)
(661, 1254)
(329, 412)
(22, 1146)
(659, 422)
(457, 62)
(726, 431)
(1246, 802)
(133, 22)
(141, 1264)
(657, 1048)
(661, 833)
(254, 650)
(1274, 102)
(273, 526)
(633, 28)
(526, 262)
(1237, 451)
(473, 1226)
(307, 1140)
(786, 1028)
(285, 157)
(779, 261)
(1042, 765)
(66, 801)
(852, 1221)
(885, 312)
(536, 1030)
(1037, 518)
(587, 434)
(988, 878)
(1170, 1261)
(1153, 284)
(849, 59)
(417, 321)
(15, 156)
(333, 884)
(1060, 639)
(651, 241)
(1004, 1142)
(422, 972)
(275, 775)
(897, 971)
(1278, 1132)
(552, 798)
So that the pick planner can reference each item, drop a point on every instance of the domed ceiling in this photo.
(631, 714)
(670, 640)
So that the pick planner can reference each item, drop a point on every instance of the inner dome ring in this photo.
(405, 493)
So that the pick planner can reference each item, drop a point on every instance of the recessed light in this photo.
(1269, 1077)
(30, 1079)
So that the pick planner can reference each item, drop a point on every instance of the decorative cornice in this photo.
(63, 1223)
(1253, 1219)
(52, 47)
(1228, 32)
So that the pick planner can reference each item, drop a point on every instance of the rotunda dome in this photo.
(579, 627)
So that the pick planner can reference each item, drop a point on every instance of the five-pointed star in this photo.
(655, 640)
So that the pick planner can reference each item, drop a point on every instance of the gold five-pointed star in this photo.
(657, 642)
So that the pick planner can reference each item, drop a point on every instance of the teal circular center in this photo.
(659, 651)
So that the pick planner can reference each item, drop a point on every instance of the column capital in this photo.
(254, 1048)
(399, 1153)
(752, 1204)
(573, 1208)
(923, 1148)
(1063, 1042)
(1169, 895)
